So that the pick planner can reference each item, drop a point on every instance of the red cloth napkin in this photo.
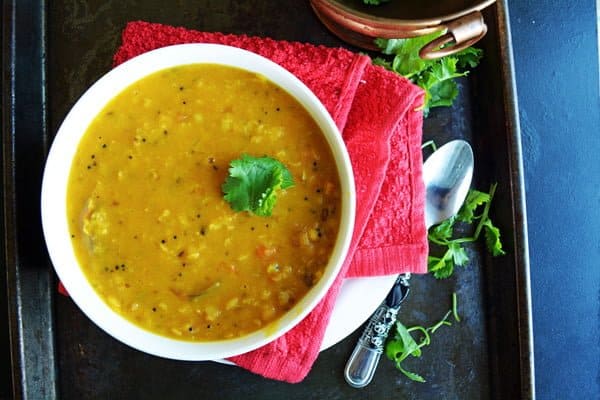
(376, 111)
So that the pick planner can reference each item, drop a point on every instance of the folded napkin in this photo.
(377, 113)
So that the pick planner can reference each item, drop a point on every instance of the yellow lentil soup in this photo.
(148, 221)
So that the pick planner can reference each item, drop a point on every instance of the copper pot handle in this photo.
(460, 34)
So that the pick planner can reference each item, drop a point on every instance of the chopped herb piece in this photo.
(253, 183)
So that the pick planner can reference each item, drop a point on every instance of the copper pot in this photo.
(359, 24)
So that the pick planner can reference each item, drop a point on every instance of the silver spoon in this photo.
(447, 175)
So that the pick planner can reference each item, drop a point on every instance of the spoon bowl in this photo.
(447, 175)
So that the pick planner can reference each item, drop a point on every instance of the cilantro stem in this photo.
(426, 338)
(467, 239)
(486, 210)
(442, 322)
(429, 143)
(444, 242)
(454, 307)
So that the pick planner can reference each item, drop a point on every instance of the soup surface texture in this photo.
(147, 217)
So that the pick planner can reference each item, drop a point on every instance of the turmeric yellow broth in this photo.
(148, 221)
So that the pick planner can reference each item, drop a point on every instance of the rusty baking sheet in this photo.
(53, 51)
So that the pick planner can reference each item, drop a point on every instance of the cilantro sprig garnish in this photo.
(404, 345)
(475, 210)
(253, 184)
(436, 76)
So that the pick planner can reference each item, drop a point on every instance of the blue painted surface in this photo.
(555, 46)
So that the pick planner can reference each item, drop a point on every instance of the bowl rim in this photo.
(54, 192)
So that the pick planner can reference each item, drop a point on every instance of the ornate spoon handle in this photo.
(362, 364)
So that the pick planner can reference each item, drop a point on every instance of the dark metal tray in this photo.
(53, 51)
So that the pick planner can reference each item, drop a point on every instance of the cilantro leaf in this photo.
(441, 267)
(411, 348)
(382, 62)
(437, 80)
(435, 77)
(440, 93)
(395, 348)
(459, 255)
(406, 60)
(492, 238)
(412, 375)
(253, 183)
(443, 230)
(474, 199)
(469, 57)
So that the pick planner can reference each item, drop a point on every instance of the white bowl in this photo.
(54, 196)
